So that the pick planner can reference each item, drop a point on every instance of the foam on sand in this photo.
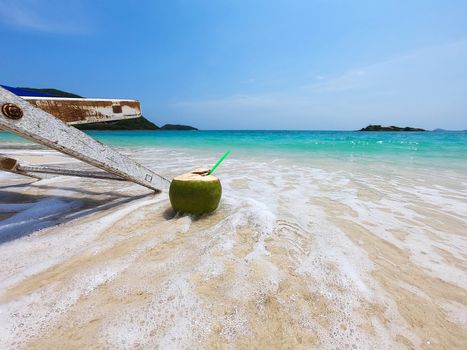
(303, 255)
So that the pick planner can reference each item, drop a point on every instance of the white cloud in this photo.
(53, 16)
(423, 88)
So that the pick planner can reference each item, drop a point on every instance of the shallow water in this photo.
(335, 247)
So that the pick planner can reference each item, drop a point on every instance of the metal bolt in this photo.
(12, 111)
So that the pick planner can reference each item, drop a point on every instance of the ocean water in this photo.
(322, 240)
(338, 144)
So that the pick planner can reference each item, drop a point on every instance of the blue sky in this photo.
(316, 64)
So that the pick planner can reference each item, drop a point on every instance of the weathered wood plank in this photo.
(40, 126)
(32, 169)
(86, 110)
(14, 166)
(11, 165)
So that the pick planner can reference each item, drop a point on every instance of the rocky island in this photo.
(177, 127)
(132, 124)
(389, 128)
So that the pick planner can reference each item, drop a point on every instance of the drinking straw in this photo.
(218, 162)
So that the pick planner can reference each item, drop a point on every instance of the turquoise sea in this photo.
(452, 144)
(447, 147)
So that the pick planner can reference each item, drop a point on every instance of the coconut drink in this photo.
(197, 192)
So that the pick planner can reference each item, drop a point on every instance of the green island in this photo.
(377, 127)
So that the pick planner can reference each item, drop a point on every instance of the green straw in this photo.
(218, 162)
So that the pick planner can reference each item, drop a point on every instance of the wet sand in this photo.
(321, 255)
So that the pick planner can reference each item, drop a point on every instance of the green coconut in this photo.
(195, 192)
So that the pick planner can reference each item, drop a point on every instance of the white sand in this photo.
(318, 255)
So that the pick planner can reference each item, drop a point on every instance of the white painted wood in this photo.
(14, 166)
(30, 170)
(11, 165)
(86, 110)
(41, 127)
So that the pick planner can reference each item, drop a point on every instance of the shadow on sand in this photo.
(22, 214)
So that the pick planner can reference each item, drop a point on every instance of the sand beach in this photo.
(312, 254)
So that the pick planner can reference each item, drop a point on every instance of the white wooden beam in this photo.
(11, 165)
(22, 118)
(86, 110)
(41, 169)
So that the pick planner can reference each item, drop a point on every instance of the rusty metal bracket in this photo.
(12, 111)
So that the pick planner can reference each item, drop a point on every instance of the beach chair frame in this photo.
(23, 117)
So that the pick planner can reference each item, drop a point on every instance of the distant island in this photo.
(389, 128)
(125, 124)
(51, 92)
(132, 124)
(177, 127)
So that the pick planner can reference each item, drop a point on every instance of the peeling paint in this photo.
(84, 110)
